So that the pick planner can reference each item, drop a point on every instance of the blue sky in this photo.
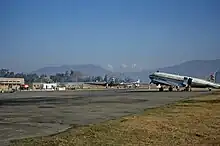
(148, 33)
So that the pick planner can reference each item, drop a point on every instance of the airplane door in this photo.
(185, 81)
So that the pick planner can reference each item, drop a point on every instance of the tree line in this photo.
(68, 76)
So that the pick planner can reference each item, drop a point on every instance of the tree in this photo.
(4, 72)
(117, 80)
(106, 78)
(11, 74)
(19, 75)
(59, 77)
(54, 78)
(67, 73)
(71, 73)
(30, 78)
(127, 79)
(98, 78)
(43, 76)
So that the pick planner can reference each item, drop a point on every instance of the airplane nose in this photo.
(151, 76)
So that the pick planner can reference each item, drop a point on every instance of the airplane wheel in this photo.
(161, 89)
(210, 89)
(187, 89)
(190, 89)
(177, 88)
(170, 89)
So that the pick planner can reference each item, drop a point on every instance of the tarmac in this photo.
(30, 114)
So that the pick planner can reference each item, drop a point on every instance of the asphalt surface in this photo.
(28, 114)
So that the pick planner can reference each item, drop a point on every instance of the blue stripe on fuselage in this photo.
(165, 80)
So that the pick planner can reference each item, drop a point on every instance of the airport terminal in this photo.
(11, 83)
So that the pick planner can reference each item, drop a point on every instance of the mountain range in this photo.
(86, 69)
(195, 68)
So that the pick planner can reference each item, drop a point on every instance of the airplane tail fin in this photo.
(215, 77)
(212, 77)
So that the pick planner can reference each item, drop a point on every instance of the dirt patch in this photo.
(202, 101)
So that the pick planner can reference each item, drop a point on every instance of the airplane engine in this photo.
(187, 83)
(158, 86)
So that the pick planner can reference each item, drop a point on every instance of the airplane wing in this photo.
(97, 83)
(114, 84)
(125, 83)
(168, 83)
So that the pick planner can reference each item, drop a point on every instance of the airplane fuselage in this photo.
(180, 81)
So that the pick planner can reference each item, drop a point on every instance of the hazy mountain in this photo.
(195, 68)
(86, 69)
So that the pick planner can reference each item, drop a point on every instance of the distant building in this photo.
(37, 85)
(44, 86)
(11, 83)
(60, 86)
(49, 86)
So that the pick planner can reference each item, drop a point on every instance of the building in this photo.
(60, 86)
(37, 86)
(44, 86)
(11, 83)
(49, 86)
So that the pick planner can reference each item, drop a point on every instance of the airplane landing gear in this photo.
(177, 88)
(161, 89)
(188, 88)
(170, 88)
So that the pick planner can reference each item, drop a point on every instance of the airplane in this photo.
(135, 84)
(174, 80)
(112, 83)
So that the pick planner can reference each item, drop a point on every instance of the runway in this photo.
(27, 114)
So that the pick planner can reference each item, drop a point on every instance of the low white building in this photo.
(49, 86)
(61, 88)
